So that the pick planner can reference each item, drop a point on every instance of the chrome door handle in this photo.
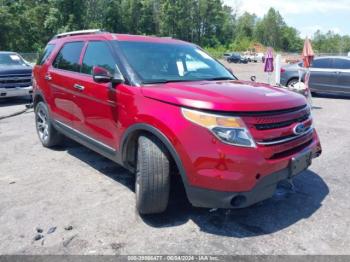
(79, 87)
(48, 77)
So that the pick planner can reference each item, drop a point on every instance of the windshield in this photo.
(164, 62)
(11, 59)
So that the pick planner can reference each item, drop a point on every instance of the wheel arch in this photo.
(38, 97)
(294, 78)
(129, 147)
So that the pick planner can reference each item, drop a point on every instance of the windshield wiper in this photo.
(162, 81)
(220, 78)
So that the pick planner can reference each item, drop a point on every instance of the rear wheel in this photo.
(152, 183)
(292, 82)
(48, 135)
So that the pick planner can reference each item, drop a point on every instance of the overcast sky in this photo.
(305, 15)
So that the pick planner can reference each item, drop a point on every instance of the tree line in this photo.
(27, 25)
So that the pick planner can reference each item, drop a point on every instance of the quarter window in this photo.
(98, 54)
(68, 57)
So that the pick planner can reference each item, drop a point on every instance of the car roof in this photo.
(112, 36)
(332, 57)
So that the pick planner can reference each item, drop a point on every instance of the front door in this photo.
(343, 81)
(323, 77)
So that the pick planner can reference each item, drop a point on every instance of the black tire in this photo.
(152, 185)
(47, 133)
(292, 81)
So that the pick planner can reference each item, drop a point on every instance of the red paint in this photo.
(105, 114)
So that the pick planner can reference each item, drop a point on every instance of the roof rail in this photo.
(79, 32)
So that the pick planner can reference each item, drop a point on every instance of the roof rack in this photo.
(79, 32)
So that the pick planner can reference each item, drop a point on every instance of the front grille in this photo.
(283, 123)
(274, 135)
(15, 80)
(291, 151)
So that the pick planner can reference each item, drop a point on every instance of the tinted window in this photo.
(98, 54)
(341, 63)
(68, 57)
(322, 63)
(47, 52)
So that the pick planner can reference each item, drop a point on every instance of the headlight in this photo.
(228, 129)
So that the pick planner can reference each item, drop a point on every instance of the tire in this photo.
(47, 133)
(292, 82)
(152, 183)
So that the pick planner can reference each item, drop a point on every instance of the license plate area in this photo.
(299, 163)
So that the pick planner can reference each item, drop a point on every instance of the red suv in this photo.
(161, 108)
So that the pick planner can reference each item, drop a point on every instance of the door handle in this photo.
(79, 87)
(48, 77)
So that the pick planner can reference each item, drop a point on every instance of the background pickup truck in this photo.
(15, 75)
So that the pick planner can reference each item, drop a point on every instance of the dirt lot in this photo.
(72, 186)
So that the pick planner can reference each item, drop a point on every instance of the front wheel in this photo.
(47, 133)
(152, 185)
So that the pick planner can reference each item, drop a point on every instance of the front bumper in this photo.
(17, 91)
(263, 189)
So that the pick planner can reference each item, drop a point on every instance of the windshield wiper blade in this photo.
(220, 78)
(162, 81)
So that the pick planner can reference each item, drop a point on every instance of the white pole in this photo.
(278, 69)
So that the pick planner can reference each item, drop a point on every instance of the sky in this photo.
(306, 16)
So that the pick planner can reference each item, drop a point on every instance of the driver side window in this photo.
(98, 54)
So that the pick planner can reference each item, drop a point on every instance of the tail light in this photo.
(283, 70)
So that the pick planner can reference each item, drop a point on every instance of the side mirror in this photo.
(253, 78)
(117, 78)
(101, 75)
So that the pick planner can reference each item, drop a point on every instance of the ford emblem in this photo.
(299, 129)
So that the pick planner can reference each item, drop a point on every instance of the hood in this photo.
(239, 96)
(15, 69)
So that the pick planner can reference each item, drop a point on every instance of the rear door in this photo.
(342, 66)
(323, 76)
(40, 69)
(97, 102)
(61, 77)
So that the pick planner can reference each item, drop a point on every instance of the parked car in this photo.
(163, 108)
(15, 75)
(329, 75)
(260, 57)
(237, 58)
(226, 55)
(251, 57)
(290, 74)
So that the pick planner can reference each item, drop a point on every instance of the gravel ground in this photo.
(83, 203)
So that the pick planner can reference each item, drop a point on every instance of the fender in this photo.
(37, 93)
(128, 135)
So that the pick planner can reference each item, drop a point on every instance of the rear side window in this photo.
(322, 63)
(68, 57)
(98, 54)
(45, 55)
(341, 63)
